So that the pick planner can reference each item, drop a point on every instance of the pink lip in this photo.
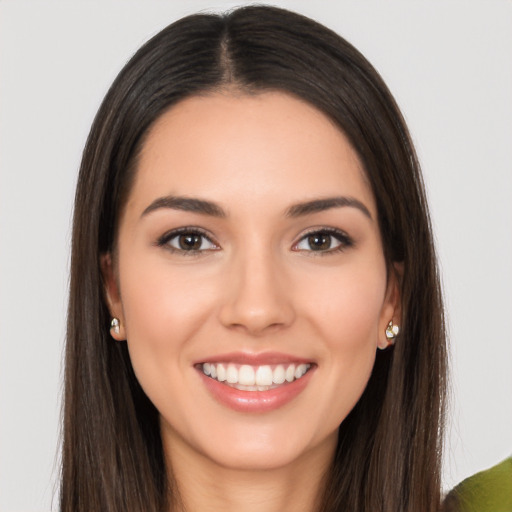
(255, 401)
(254, 359)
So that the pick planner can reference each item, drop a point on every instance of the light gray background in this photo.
(449, 65)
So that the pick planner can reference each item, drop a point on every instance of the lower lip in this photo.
(256, 401)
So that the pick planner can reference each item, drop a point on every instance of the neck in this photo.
(204, 486)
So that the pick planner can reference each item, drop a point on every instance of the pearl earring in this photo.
(392, 331)
(115, 325)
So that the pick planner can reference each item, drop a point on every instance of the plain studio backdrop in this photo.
(449, 64)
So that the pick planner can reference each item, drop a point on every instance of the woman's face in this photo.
(249, 253)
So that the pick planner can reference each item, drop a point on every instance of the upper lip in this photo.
(254, 359)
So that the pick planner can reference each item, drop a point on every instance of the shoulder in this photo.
(487, 491)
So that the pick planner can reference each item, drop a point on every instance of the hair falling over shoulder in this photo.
(389, 447)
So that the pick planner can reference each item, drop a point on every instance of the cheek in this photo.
(155, 295)
(348, 305)
(162, 310)
(346, 320)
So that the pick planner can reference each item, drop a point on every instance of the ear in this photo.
(392, 307)
(112, 295)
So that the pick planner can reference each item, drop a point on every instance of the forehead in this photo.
(264, 148)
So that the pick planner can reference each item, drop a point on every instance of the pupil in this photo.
(318, 242)
(190, 242)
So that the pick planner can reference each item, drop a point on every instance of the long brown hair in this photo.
(388, 454)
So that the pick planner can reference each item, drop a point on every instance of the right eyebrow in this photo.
(187, 204)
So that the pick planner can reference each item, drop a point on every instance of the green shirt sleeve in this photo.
(487, 491)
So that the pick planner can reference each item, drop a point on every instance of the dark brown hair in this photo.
(388, 454)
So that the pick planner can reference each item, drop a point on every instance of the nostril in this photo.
(247, 317)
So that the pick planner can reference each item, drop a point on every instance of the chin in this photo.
(265, 449)
(247, 459)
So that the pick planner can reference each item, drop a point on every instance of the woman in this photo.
(255, 317)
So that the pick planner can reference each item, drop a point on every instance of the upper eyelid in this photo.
(324, 229)
(168, 235)
(340, 234)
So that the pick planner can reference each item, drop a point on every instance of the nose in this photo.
(257, 298)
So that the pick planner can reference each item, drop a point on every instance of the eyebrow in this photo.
(320, 205)
(186, 204)
(204, 207)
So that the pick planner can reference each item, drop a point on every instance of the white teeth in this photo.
(246, 375)
(232, 374)
(254, 378)
(264, 376)
(279, 375)
(300, 371)
(221, 373)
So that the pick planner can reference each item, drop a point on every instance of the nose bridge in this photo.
(256, 297)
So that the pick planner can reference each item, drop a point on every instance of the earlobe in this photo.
(112, 297)
(391, 316)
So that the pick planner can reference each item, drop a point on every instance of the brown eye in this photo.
(324, 241)
(319, 241)
(187, 241)
(190, 242)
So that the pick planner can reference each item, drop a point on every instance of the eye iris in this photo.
(190, 242)
(319, 241)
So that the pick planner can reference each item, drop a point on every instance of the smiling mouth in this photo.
(254, 378)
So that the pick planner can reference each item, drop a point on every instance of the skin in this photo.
(256, 286)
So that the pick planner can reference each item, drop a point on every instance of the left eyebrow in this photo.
(320, 205)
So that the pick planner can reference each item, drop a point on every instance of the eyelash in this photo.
(164, 240)
(344, 240)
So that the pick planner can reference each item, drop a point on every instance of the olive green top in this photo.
(487, 491)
